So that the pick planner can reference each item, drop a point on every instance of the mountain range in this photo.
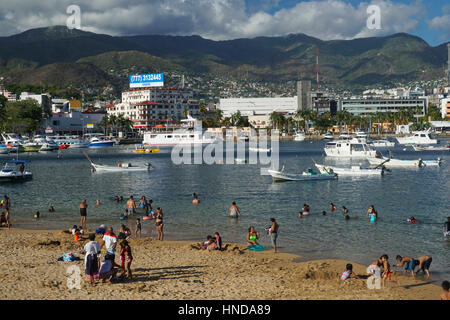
(61, 56)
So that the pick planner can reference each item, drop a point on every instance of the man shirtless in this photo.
(131, 206)
(408, 262)
(445, 295)
(424, 264)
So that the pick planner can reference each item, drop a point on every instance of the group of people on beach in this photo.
(108, 268)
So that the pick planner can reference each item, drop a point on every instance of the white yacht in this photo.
(353, 148)
(183, 136)
(299, 136)
(418, 137)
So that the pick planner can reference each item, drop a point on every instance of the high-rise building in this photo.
(304, 100)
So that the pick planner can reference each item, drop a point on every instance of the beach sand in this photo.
(177, 270)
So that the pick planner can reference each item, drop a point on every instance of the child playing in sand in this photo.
(125, 256)
(348, 273)
(387, 273)
(107, 269)
(445, 295)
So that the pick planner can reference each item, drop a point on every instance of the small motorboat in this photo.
(393, 162)
(14, 170)
(99, 142)
(432, 163)
(419, 147)
(145, 149)
(352, 171)
(307, 175)
(121, 167)
(260, 149)
(328, 136)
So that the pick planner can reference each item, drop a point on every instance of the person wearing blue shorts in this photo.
(408, 262)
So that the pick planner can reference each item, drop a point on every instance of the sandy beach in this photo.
(178, 270)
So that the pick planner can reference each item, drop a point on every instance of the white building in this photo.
(73, 122)
(147, 107)
(44, 100)
(445, 108)
(370, 106)
(258, 106)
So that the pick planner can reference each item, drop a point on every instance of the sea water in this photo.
(420, 192)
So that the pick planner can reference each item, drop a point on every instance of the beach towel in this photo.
(256, 247)
(68, 257)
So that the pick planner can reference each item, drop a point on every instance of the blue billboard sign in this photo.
(147, 80)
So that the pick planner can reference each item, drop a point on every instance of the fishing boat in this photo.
(418, 137)
(307, 175)
(121, 167)
(431, 148)
(145, 149)
(14, 170)
(353, 148)
(352, 171)
(432, 163)
(393, 162)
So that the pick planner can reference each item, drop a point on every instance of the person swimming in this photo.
(195, 200)
(344, 210)
(411, 220)
(51, 209)
(332, 207)
(305, 209)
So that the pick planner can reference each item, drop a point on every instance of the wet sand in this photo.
(178, 270)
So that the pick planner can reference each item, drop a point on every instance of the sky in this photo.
(231, 19)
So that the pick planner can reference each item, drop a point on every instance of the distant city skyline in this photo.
(231, 19)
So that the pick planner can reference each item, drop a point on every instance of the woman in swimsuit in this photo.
(159, 224)
(252, 236)
(143, 203)
(372, 214)
(83, 213)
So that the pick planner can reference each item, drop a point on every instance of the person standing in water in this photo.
(83, 213)
(305, 209)
(446, 229)
(372, 214)
(195, 201)
(131, 206)
(159, 224)
(233, 211)
(273, 231)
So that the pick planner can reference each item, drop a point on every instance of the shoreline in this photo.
(176, 270)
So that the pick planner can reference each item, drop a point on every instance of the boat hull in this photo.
(353, 171)
(101, 144)
(279, 176)
(103, 168)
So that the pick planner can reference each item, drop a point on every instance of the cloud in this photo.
(442, 23)
(214, 19)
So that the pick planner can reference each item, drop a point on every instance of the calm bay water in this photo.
(420, 192)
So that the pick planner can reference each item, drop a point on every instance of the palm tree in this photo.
(236, 118)
(219, 116)
(202, 109)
